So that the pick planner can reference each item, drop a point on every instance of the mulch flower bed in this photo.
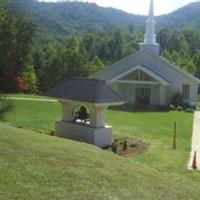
(128, 146)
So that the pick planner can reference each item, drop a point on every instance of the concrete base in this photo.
(101, 137)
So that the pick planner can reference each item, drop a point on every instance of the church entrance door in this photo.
(143, 96)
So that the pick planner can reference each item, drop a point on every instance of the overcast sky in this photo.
(140, 6)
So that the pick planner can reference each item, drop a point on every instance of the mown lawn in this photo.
(73, 170)
(24, 96)
(34, 115)
(43, 167)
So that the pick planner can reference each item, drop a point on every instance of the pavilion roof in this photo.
(85, 90)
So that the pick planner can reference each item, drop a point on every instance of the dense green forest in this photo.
(32, 66)
(59, 19)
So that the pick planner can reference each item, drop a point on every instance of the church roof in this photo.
(139, 58)
(157, 76)
(85, 90)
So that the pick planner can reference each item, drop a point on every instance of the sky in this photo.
(139, 6)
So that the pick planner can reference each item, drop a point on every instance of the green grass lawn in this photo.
(25, 96)
(34, 115)
(38, 166)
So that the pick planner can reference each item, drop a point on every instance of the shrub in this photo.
(189, 110)
(172, 107)
(179, 108)
(177, 100)
(5, 107)
(125, 145)
(114, 147)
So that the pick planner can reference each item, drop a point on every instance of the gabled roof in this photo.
(128, 63)
(147, 70)
(85, 90)
(116, 68)
(177, 68)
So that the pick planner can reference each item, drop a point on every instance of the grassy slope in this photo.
(34, 115)
(43, 167)
(161, 171)
(153, 127)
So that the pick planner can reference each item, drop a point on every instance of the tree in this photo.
(117, 44)
(88, 44)
(29, 77)
(196, 61)
(177, 42)
(63, 61)
(166, 54)
(95, 65)
(190, 67)
(16, 37)
(175, 58)
(162, 38)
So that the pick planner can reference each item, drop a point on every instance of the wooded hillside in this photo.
(78, 17)
(33, 59)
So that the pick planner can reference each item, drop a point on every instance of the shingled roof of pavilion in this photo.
(85, 90)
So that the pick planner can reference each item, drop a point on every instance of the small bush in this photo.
(172, 107)
(177, 100)
(189, 110)
(125, 145)
(5, 107)
(179, 108)
(51, 133)
(114, 147)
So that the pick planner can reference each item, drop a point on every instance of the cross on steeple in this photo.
(150, 36)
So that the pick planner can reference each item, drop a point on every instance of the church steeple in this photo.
(150, 36)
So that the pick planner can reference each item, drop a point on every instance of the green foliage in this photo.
(114, 147)
(61, 61)
(57, 53)
(186, 17)
(16, 37)
(5, 107)
(80, 56)
(89, 53)
(95, 65)
(190, 67)
(65, 18)
(29, 76)
(166, 54)
(125, 144)
(55, 20)
(182, 48)
(196, 61)
(177, 100)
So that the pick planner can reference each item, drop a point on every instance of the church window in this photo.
(186, 91)
(141, 76)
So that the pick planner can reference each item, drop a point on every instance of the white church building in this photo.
(145, 77)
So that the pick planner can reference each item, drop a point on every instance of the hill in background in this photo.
(78, 17)
(185, 17)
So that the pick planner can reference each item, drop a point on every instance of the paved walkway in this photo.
(195, 140)
(30, 99)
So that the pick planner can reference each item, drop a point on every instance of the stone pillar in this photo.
(162, 96)
(97, 116)
(67, 108)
